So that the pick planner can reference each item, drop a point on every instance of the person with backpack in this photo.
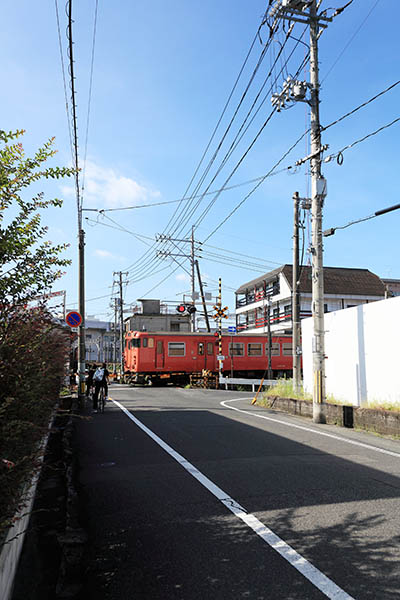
(100, 379)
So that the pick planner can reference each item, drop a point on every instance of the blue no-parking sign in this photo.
(73, 318)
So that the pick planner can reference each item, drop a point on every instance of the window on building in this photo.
(200, 349)
(325, 308)
(288, 310)
(175, 326)
(254, 349)
(287, 349)
(210, 348)
(236, 349)
(88, 336)
(176, 348)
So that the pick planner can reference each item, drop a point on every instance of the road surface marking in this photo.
(316, 431)
(318, 579)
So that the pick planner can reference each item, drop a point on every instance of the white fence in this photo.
(362, 348)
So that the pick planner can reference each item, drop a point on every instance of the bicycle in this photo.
(101, 400)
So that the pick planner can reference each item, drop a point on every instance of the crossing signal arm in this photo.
(220, 312)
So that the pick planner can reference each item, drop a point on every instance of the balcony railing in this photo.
(274, 320)
(258, 295)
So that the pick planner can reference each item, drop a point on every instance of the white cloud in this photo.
(105, 254)
(105, 188)
(182, 277)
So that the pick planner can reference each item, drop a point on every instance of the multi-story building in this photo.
(155, 316)
(272, 293)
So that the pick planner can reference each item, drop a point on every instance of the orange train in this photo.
(162, 357)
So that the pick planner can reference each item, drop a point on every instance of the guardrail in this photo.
(253, 382)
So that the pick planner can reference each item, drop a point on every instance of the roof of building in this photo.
(337, 280)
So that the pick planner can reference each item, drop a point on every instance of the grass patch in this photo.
(285, 389)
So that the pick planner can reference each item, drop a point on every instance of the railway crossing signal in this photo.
(220, 312)
(184, 309)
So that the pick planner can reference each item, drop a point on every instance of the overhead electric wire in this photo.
(64, 81)
(74, 125)
(388, 89)
(145, 256)
(237, 139)
(90, 97)
(350, 40)
(238, 253)
(233, 147)
(255, 187)
(365, 137)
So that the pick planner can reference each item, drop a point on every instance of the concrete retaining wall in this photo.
(386, 422)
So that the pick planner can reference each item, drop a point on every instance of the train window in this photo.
(160, 347)
(275, 349)
(200, 348)
(287, 349)
(210, 348)
(135, 343)
(176, 348)
(236, 349)
(144, 342)
(151, 342)
(254, 349)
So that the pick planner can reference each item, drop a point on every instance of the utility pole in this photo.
(318, 193)
(115, 335)
(305, 11)
(202, 296)
(220, 363)
(269, 339)
(296, 297)
(81, 233)
(193, 315)
(121, 326)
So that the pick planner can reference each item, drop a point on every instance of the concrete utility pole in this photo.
(318, 193)
(121, 325)
(220, 363)
(193, 315)
(269, 339)
(296, 297)
(115, 335)
(305, 11)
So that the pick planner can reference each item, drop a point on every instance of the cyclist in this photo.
(100, 379)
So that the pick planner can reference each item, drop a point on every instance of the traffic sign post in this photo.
(73, 319)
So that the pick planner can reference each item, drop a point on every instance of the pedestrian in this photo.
(100, 379)
(89, 380)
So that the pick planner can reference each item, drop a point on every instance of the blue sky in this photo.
(162, 74)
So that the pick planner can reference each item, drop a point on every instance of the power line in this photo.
(339, 153)
(64, 80)
(350, 40)
(388, 89)
(90, 97)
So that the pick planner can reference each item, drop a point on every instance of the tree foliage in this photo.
(29, 265)
(33, 346)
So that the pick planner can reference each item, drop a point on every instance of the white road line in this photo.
(318, 579)
(316, 431)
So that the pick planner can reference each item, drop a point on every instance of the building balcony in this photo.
(262, 322)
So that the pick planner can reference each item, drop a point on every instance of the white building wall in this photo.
(362, 345)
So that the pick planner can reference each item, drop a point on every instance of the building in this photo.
(100, 341)
(392, 287)
(343, 288)
(155, 316)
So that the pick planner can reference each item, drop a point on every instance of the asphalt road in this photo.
(188, 498)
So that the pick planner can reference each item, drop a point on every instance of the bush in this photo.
(33, 353)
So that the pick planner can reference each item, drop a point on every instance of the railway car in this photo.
(162, 357)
